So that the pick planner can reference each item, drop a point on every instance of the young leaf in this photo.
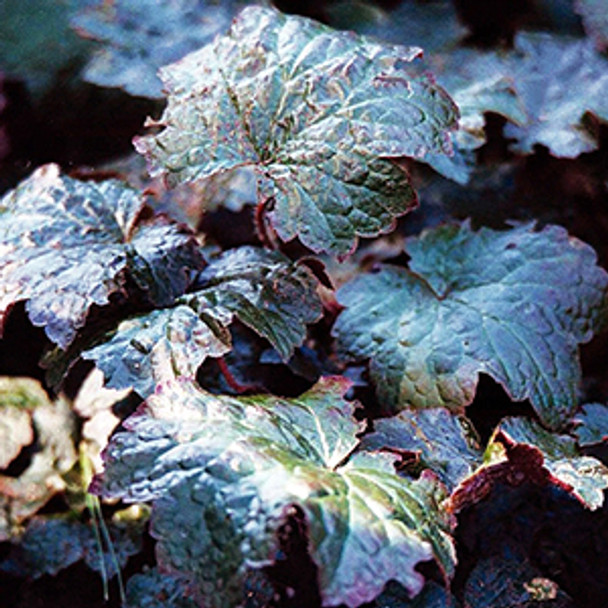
(140, 36)
(315, 111)
(67, 245)
(144, 348)
(591, 424)
(225, 472)
(595, 20)
(520, 450)
(267, 292)
(513, 304)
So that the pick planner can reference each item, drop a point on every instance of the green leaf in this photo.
(275, 297)
(591, 425)
(595, 20)
(315, 111)
(225, 473)
(140, 36)
(267, 292)
(519, 450)
(67, 245)
(559, 81)
(512, 304)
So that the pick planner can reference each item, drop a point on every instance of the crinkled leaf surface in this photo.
(512, 304)
(267, 292)
(50, 545)
(224, 473)
(170, 341)
(591, 424)
(559, 80)
(315, 111)
(36, 43)
(595, 20)
(444, 442)
(52, 426)
(67, 245)
(140, 36)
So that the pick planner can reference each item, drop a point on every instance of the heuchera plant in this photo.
(360, 470)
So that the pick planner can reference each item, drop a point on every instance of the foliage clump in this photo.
(298, 395)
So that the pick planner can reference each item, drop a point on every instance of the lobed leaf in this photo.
(583, 477)
(67, 245)
(519, 450)
(139, 36)
(513, 304)
(275, 297)
(225, 473)
(317, 112)
(147, 349)
(267, 292)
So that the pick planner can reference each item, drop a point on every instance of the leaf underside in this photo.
(512, 304)
(318, 113)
